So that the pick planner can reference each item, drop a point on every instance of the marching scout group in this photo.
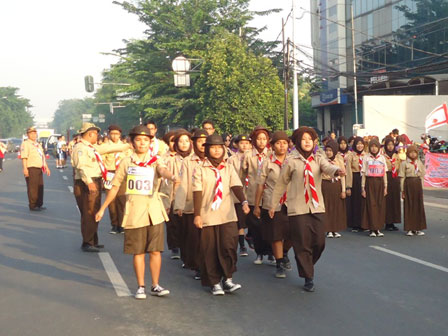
(285, 191)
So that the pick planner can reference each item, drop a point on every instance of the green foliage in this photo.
(14, 114)
(69, 114)
(237, 89)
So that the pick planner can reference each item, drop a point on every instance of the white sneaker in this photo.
(372, 234)
(337, 235)
(217, 290)
(409, 233)
(420, 233)
(229, 286)
(140, 294)
(379, 234)
(259, 260)
(330, 235)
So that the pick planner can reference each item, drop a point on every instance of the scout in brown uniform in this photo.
(89, 175)
(215, 215)
(244, 145)
(333, 190)
(374, 190)
(112, 161)
(183, 204)
(275, 230)
(306, 208)
(34, 164)
(251, 170)
(344, 153)
(353, 182)
(393, 202)
(145, 214)
(160, 146)
(412, 173)
(175, 227)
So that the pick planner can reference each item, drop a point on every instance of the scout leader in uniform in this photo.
(412, 173)
(112, 161)
(34, 165)
(183, 204)
(145, 215)
(214, 214)
(90, 173)
(306, 209)
(275, 230)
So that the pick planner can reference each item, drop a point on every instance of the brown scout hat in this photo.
(88, 127)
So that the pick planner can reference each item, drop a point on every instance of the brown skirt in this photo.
(374, 208)
(414, 208)
(356, 202)
(335, 209)
(393, 200)
(277, 228)
(218, 251)
(192, 243)
(145, 239)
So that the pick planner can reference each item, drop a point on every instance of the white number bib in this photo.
(108, 182)
(140, 181)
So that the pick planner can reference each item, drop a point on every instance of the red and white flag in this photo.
(437, 118)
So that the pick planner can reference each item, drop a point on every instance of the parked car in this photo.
(51, 144)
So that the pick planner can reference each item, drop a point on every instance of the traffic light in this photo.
(88, 81)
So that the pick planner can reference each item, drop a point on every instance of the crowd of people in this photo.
(216, 196)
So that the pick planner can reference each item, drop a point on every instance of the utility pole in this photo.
(355, 80)
(285, 75)
(295, 114)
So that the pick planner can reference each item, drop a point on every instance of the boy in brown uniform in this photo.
(215, 215)
(34, 164)
(90, 173)
(145, 215)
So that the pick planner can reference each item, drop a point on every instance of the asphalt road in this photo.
(49, 287)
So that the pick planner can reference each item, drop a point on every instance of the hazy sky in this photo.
(48, 46)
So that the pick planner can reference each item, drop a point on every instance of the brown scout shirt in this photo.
(252, 169)
(29, 151)
(365, 168)
(352, 167)
(237, 161)
(338, 162)
(293, 173)
(184, 194)
(204, 180)
(407, 169)
(141, 210)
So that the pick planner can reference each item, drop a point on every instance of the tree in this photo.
(15, 116)
(69, 114)
(238, 89)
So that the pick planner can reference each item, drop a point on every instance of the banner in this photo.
(436, 170)
(437, 118)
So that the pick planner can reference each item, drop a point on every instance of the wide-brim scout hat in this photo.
(214, 139)
(31, 129)
(242, 137)
(140, 130)
(199, 133)
(88, 127)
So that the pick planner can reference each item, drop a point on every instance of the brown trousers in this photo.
(308, 241)
(116, 210)
(218, 250)
(192, 252)
(262, 247)
(173, 228)
(88, 204)
(35, 187)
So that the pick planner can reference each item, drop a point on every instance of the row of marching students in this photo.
(377, 178)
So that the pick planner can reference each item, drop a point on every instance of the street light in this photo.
(181, 66)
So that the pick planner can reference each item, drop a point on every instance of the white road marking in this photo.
(442, 206)
(115, 277)
(418, 261)
(70, 188)
(65, 177)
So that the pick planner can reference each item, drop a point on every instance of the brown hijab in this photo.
(176, 143)
(297, 139)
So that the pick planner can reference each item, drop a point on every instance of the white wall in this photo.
(407, 113)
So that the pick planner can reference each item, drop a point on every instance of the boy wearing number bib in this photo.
(144, 213)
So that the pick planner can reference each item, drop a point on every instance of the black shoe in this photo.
(99, 246)
(309, 285)
(89, 248)
(175, 254)
(42, 208)
(250, 242)
(280, 272)
(243, 252)
(35, 209)
(120, 229)
(286, 264)
(197, 275)
(113, 230)
(394, 228)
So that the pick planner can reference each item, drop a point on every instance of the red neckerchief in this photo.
(147, 163)
(117, 160)
(394, 167)
(41, 154)
(280, 164)
(360, 159)
(414, 163)
(308, 172)
(100, 163)
(217, 198)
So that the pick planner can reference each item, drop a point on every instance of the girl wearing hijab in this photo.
(374, 190)
(251, 170)
(275, 230)
(306, 210)
(353, 181)
(183, 203)
(344, 153)
(393, 202)
(412, 173)
(215, 216)
(333, 190)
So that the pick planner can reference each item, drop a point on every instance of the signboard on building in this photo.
(86, 117)
(331, 97)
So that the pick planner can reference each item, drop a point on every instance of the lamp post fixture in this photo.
(181, 66)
